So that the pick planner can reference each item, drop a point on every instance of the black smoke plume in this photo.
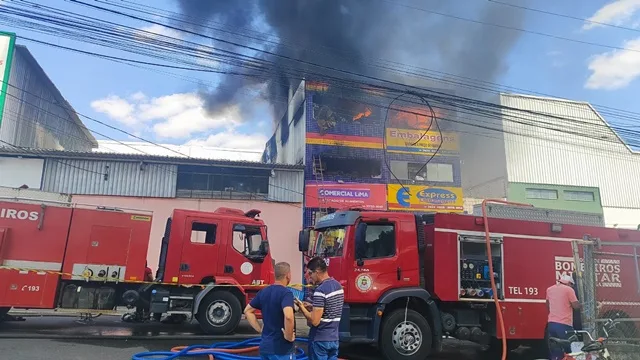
(385, 39)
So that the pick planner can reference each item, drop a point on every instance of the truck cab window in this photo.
(202, 233)
(248, 241)
(328, 241)
(380, 241)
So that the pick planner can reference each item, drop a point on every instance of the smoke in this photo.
(355, 36)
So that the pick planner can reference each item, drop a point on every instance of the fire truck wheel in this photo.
(405, 340)
(219, 313)
(4, 312)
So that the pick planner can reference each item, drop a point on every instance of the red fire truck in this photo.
(411, 279)
(58, 256)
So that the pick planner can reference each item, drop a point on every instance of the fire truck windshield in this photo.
(248, 240)
(327, 242)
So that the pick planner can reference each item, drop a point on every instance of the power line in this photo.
(513, 28)
(563, 15)
(332, 49)
(162, 24)
(458, 84)
(28, 151)
(547, 115)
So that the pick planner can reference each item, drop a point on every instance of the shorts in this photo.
(323, 350)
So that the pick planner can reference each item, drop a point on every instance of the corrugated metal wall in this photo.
(567, 143)
(482, 155)
(33, 115)
(87, 177)
(286, 186)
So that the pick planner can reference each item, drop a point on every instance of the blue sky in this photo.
(166, 109)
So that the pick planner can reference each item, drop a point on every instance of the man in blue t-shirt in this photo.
(276, 304)
(324, 317)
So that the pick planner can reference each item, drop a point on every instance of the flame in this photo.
(413, 118)
(366, 113)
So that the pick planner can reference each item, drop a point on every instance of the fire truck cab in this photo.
(63, 256)
(376, 256)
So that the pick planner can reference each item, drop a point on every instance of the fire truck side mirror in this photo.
(361, 236)
(303, 240)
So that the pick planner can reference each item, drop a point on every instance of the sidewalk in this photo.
(301, 323)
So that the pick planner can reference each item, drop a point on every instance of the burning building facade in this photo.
(368, 149)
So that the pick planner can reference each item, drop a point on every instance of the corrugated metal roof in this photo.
(69, 109)
(569, 144)
(61, 154)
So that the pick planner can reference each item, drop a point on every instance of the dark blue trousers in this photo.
(559, 331)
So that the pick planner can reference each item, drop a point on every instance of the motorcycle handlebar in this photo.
(608, 325)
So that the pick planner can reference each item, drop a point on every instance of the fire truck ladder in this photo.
(319, 176)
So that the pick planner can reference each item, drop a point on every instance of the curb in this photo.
(54, 314)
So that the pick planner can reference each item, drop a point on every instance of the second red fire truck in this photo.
(57, 256)
(411, 279)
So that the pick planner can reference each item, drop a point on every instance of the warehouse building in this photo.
(552, 153)
(161, 184)
(33, 113)
(339, 135)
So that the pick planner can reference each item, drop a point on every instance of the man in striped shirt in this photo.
(324, 316)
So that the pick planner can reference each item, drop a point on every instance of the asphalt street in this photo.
(107, 338)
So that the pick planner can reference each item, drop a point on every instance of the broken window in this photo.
(354, 168)
(432, 172)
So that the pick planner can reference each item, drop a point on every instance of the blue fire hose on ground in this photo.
(217, 351)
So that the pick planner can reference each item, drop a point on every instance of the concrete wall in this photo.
(518, 192)
(15, 172)
(283, 220)
(621, 217)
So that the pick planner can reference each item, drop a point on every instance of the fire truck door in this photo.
(244, 259)
(377, 268)
(199, 250)
(3, 272)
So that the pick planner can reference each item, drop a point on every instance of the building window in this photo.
(284, 129)
(354, 168)
(380, 241)
(216, 182)
(579, 195)
(202, 233)
(544, 194)
(433, 172)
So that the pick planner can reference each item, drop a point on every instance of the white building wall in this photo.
(482, 155)
(550, 141)
(621, 218)
(15, 172)
(292, 151)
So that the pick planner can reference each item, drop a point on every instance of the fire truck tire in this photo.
(3, 312)
(219, 313)
(410, 340)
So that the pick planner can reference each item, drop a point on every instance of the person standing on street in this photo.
(276, 304)
(561, 301)
(325, 312)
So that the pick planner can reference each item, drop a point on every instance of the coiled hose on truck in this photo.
(216, 351)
